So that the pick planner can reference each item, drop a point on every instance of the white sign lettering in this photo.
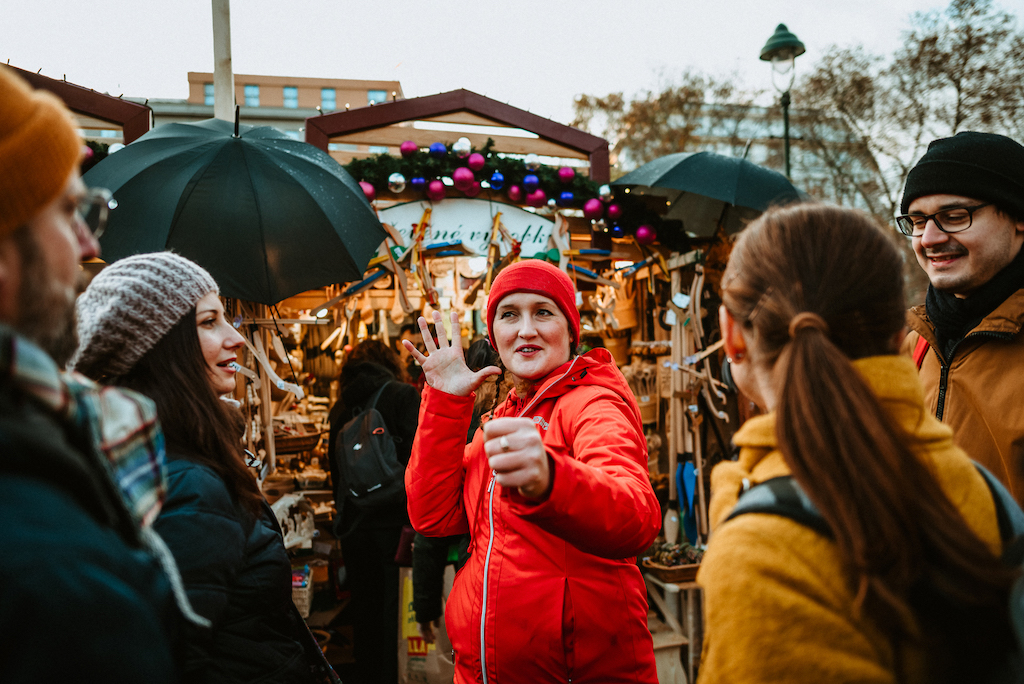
(470, 221)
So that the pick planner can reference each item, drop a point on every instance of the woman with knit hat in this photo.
(154, 323)
(553, 490)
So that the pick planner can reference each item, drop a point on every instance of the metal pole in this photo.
(223, 76)
(785, 128)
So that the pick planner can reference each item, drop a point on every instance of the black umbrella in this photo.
(267, 215)
(703, 189)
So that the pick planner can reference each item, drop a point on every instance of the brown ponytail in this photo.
(816, 287)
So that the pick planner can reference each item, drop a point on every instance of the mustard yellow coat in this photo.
(778, 603)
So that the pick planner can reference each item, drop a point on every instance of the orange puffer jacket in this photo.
(551, 592)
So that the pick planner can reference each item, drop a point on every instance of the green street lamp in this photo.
(781, 50)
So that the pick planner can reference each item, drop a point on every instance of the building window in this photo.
(328, 99)
(376, 96)
(291, 97)
(208, 94)
(252, 95)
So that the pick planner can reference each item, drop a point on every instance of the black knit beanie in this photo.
(983, 166)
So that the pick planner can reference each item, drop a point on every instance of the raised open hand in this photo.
(444, 365)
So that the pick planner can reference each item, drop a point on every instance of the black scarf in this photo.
(954, 317)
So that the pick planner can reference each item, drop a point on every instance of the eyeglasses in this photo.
(94, 208)
(954, 220)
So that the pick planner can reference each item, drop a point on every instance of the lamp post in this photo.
(781, 50)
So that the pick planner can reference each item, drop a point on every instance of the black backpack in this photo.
(371, 476)
(784, 496)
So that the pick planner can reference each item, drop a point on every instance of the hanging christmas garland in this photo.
(524, 181)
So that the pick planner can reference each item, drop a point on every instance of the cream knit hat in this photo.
(130, 305)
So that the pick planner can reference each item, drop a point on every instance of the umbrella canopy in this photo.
(703, 189)
(267, 215)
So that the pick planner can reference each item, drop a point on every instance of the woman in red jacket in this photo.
(553, 491)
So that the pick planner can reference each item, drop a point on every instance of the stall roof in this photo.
(132, 117)
(387, 124)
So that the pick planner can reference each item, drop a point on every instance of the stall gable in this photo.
(553, 139)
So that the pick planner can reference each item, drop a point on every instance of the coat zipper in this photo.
(940, 407)
(490, 540)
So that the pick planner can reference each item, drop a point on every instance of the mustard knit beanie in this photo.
(39, 146)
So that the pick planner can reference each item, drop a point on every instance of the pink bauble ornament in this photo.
(614, 212)
(368, 190)
(476, 161)
(566, 174)
(473, 190)
(645, 235)
(515, 193)
(462, 178)
(408, 148)
(435, 191)
(593, 209)
(537, 198)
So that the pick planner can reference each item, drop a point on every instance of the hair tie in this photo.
(807, 320)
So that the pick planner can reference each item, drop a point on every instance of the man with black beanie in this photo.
(963, 208)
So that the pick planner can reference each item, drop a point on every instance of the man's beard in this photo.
(46, 308)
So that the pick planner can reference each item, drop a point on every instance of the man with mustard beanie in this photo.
(83, 594)
(963, 210)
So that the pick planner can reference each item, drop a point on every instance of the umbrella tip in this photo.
(236, 120)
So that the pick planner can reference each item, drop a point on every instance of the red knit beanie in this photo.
(537, 277)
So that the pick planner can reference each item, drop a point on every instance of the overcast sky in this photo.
(533, 54)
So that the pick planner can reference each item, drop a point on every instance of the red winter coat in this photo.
(555, 581)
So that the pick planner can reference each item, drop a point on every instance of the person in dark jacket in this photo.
(82, 596)
(370, 541)
(154, 323)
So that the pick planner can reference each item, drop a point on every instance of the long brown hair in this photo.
(816, 287)
(195, 421)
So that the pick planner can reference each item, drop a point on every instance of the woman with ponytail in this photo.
(909, 586)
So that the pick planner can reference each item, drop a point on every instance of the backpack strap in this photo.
(781, 496)
(920, 351)
(1008, 511)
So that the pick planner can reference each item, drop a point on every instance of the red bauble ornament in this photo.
(473, 190)
(368, 190)
(515, 193)
(593, 209)
(476, 161)
(537, 198)
(566, 174)
(614, 212)
(435, 191)
(645, 235)
(408, 148)
(462, 178)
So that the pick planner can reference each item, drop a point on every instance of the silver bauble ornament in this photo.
(605, 193)
(532, 162)
(396, 183)
(462, 148)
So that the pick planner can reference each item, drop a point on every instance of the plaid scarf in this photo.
(119, 424)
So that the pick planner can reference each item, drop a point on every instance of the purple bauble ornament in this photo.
(614, 212)
(473, 190)
(515, 193)
(435, 191)
(438, 149)
(530, 182)
(418, 183)
(497, 180)
(537, 198)
(593, 209)
(476, 161)
(408, 148)
(368, 190)
(645, 235)
(462, 178)
(565, 198)
(566, 174)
